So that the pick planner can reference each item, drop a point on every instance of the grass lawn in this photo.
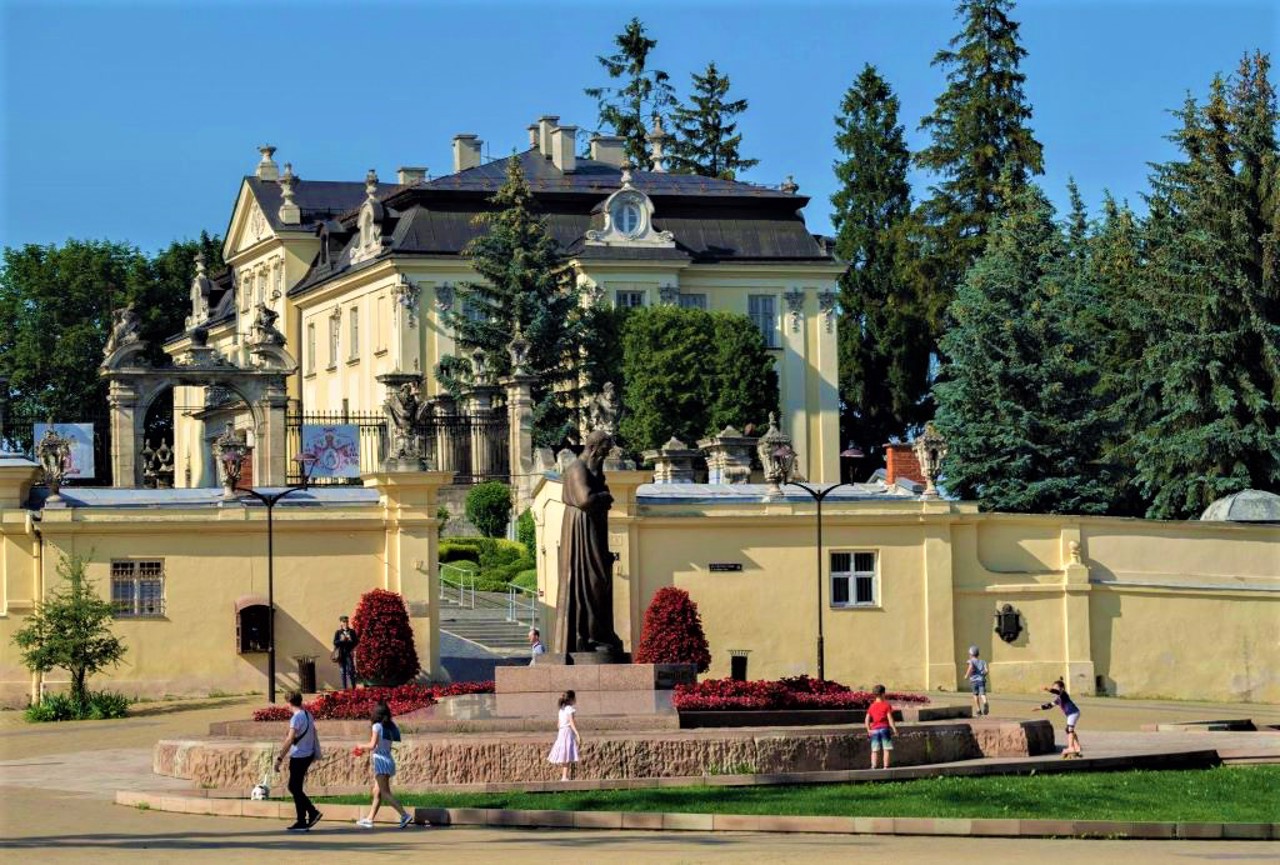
(1236, 794)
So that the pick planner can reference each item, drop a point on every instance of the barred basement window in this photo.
(853, 579)
(137, 587)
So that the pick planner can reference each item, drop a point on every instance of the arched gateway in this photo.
(135, 383)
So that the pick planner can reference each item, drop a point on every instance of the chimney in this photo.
(533, 136)
(466, 151)
(900, 464)
(267, 169)
(563, 139)
(546, 123)
(608, 149)
(406, 174)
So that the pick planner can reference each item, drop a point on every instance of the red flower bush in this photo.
(356, 704)
(799, 692)
(385, 655)
(672, 632)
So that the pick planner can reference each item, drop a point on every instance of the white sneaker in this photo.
(364, 823)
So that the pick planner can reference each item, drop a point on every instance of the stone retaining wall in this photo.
(474, 759)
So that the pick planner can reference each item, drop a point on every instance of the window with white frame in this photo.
(335, 329)
(137, 587)
(262, 287)
(853, 579)
(628, 299)
(763, 311)
(693, 301)
(380, 326)
(353, 351)
(310, 359)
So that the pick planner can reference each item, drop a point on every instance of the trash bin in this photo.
(306, 673)
(738, 664)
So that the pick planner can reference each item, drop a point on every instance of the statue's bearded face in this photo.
(597, 448)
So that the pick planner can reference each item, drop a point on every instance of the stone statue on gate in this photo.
(126, 326)
(264, 327)
(604, 409)
(586, 564)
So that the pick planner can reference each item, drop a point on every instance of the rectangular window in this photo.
(761, 308)
(353, 352)
(279, 281)
(693, 301)
(473, 310)
(853, 579)
(262, 287)
(628, 299)
(244, 288)
(137, 588)
(380, 326)
(335, 328)
(310, 359)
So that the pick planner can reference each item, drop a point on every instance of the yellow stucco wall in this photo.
(325, 558)
(1181, 610)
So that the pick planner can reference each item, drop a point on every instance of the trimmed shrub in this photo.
(356, 704)
(527, 579)
(386, 655)
(497, 560)
(527, 533)
(455, 551)
(97, 706)
(797, 692)
(672, 632)
(489, 508)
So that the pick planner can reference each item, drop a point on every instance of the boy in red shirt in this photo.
(879, 723)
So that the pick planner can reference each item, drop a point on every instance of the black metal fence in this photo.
(372, 431)
(18, 435)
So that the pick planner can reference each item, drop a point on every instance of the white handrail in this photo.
(463, 585)
(517, 605)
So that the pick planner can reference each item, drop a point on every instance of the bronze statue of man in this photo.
(586, 565)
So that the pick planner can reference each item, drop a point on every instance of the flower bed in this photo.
(357, 703)
(798, 692)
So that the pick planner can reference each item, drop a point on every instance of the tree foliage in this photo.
(524, 284)
(386, 654)
(672, 631)
(707, 141)
(642, 93)
(71, 630)
(980, 148)
(688, 373)
(489, 508)
(884, 338)
(56, 303)
(1017, 397)
(1205, 402)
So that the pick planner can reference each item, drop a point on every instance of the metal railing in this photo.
(522, 605)
(457, 586)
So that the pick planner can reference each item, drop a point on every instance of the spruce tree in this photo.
(526, 283)
(1016, 396)
(1207, 397)
(884, 341)
(707, 140)
(646, 94)
(981, 148)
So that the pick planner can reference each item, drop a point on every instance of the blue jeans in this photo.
(347, 664)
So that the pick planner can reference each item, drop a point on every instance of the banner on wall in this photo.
(336, 450)
(80, 461)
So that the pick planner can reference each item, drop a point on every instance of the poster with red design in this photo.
(335, 449)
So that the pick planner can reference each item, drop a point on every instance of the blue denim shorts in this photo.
(882, 740)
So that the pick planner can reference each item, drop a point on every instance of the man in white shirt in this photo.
(302, 746)
(535, 645)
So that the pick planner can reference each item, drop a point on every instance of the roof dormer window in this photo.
(628, 220)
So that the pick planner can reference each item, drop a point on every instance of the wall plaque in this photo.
(725, 567)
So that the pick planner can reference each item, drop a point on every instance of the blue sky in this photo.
(135, 120)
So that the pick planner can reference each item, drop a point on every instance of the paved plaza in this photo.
(57, 781)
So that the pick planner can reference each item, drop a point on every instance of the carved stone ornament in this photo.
(519, 352)
(777, 456)
(827, 304)
(628, 220)
(930, 450)
(124, 344)
(229, 450)
(795, 307)
(669, 294)
(54, 453)
(406, 292)
(604, 410)
(406, 411)
(264, 330)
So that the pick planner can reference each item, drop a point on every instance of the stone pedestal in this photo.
(602, 689)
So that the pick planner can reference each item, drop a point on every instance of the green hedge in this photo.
(527, 579)
(496, 561)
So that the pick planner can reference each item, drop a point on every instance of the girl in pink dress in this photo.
(564, 752)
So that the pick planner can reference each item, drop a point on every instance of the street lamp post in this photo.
(819, 494)
(269, 500)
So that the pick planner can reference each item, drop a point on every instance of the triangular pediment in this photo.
(249, 224)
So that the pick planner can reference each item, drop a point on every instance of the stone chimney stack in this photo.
(289, 212)
(267, 168)
(563, 139)
(466, 151)
(546, 123)
(533, 136)
(406, 174)
(608, 149)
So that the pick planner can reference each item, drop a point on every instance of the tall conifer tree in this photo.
(1207, 401)
(1016, 396)
(707, 140)
(629, 110)
(981, 148)
(884, 342)
(526, 283)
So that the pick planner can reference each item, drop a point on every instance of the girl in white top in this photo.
(384, 766)
(564, 753)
